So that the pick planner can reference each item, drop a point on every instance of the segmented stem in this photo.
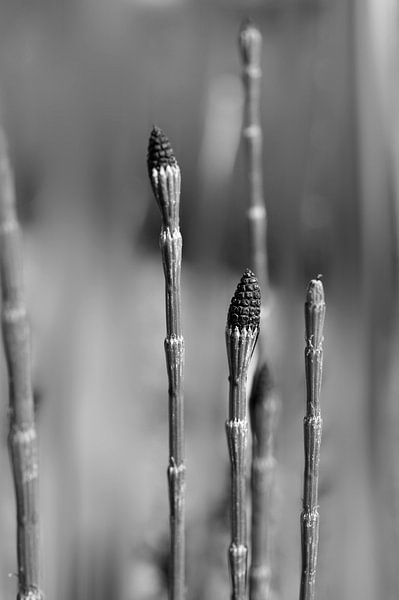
(314, 321)
(22, 440)
(165, 179)
(263, 418)
(250, 45)
(264, 426)
(241, 335)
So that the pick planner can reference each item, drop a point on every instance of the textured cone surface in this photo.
(244, 308)
(160, 153)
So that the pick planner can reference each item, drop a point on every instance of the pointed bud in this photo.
(160, 153)
(244, 308)
(164, 173)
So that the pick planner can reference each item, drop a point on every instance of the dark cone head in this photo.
(244, 308)
(160, 153)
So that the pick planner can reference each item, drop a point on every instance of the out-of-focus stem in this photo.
(250, 45)
(241, 335)
(165, 179)
(22, 440)
(264, 402)
(263, 406)
(314, 321)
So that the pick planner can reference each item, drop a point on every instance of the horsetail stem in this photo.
(315, 309)
(241, 335)
(22, 441)
(263, 407)
(164, 175)
(250, 46)
(264, 402)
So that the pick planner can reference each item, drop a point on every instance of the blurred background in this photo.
(82, 83)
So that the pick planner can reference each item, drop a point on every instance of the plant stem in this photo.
(250, 45)
(22, 440)
(241, 335)
(314, 321)
(263, 406)
(264, 402)
(165, 179)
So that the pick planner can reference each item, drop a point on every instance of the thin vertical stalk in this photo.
(241, 335)
(22, 441)
(314, 321)
(263, 407)
(264, 403)
(164, 174)
(250, 46)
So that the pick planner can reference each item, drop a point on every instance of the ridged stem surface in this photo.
(22, 440)
(241, 336)
(314, 322)
(171, 246)
(239, 347)
(165, 179)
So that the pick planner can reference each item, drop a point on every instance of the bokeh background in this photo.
(82, 83)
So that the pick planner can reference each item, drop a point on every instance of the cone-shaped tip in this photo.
(160, 153)
(250, 43)
(315, 293)
(244, 308)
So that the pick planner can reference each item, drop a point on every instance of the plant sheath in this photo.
(164, 174)
(314, 321)
(241, 336)
(22, 441)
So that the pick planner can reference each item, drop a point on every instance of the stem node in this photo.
(164, 175)
(241, 336)
(22, 442)
(312, 427)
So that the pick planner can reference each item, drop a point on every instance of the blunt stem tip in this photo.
(160, 153)
(244, 310)
(250, 43)
(315, 293)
